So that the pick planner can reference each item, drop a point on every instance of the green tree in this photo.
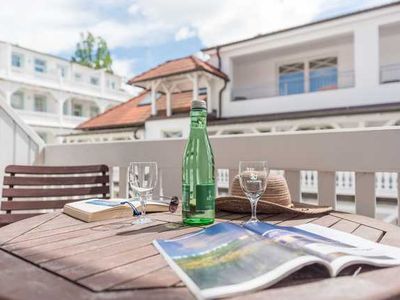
(93, 52)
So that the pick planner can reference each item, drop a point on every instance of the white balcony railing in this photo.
(331, 153)
(390, 73)
(295, 86)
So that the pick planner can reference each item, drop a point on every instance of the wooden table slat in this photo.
(51, 251)
(345, 225)
(15, 230)
(369, 233)
(164, 277)
(326, 221)
(299, 220)
(83, 266)
(122, 274)
(116, 260)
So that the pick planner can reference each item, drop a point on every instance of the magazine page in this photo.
(358, 250)
(338, 248)
(225, 260)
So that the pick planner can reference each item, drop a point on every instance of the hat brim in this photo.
(238, 204)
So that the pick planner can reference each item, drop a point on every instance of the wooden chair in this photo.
(42, 188)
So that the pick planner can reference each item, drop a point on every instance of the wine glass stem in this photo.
(143, 201)
(253, 203)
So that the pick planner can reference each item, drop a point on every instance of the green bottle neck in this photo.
(198, 118)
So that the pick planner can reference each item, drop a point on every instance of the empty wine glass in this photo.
(142, 180)
(253, 176)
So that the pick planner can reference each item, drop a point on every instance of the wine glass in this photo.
(142, 180)
(253, 176)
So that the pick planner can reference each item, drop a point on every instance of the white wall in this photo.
(366, 52)
(154, 128)
(19, 143)
(260, 70)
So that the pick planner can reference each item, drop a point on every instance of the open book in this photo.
(227, 259)
(103, 209)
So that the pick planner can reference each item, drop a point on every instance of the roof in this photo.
(132, 114)
(176, 67)
(259, 36)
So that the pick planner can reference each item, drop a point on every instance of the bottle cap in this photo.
(199, 104)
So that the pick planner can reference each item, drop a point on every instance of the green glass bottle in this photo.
(198, 178)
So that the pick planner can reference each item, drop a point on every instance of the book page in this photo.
(226, 259)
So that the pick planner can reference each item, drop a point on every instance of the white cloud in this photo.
(124, 67)
(184, 33)
(222, 21)
(54, 25)
(227, 20)
(45, 25)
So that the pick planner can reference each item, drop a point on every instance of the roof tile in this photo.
(131, 113)
(177, 66)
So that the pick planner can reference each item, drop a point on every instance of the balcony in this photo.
(294, 86)
(342, 161)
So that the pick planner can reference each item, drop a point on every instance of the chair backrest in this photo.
(31, 190)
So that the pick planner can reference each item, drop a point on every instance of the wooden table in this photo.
(54, 256)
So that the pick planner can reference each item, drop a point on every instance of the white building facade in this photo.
(53, 95)
(348, 63)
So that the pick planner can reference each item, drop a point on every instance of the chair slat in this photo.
(34, 204)
(18, 169)
(28, 181)
(75, 183)
(61, 192)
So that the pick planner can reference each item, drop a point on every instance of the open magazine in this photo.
(227, 259)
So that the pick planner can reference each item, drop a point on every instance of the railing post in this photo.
(172, 181)
(398, 198)
(365, 194)
(293, 180)
(327, 189)
(123, 182)
(232, 174)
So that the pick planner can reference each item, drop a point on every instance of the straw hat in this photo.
(276, 199)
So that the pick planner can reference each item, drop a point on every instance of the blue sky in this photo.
(144, 33)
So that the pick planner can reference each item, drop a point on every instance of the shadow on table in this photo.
(157, 228)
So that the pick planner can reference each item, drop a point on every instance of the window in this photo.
(202, 91)
(16, 60)
(94, 111)
(94, 80)
(323, 74)
(147, 99)
(40, 103)
(17, 100)
(62, 71)
(40, 65)
(78, 77)
(172, 134)
(111, 84)
(291, 79)
(77, 110)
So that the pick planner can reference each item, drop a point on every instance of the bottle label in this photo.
(205, 196)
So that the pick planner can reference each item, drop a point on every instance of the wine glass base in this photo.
(143, 220)
(251, 221)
